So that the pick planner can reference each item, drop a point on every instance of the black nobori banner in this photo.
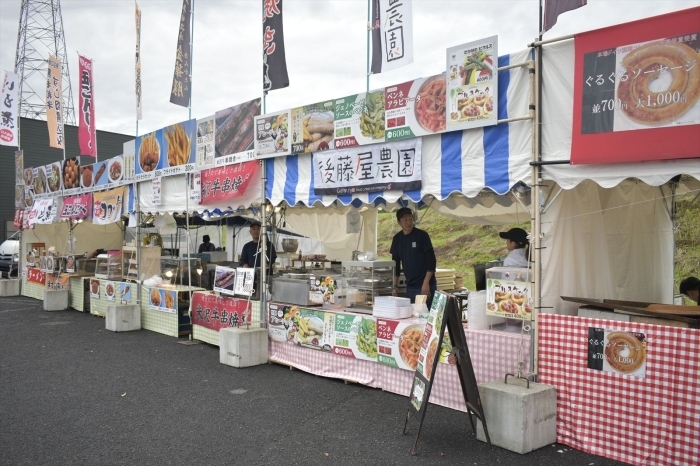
(274, 60)
(181, 91)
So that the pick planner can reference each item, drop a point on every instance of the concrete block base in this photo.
(239, 347)
(123, 318)
(9, 287)
(519, 419)
(56, 300)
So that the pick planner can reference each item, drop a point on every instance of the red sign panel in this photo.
(637, 91)
(228, 181)
(35, 275)
(215, 312)
(77, 207)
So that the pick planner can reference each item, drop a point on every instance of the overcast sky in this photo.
(325, 43)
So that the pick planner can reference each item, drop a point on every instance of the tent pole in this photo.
(536, 218)
(263, 248)
(189, 271)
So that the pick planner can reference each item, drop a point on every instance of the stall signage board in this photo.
(381, 167)
(162, 300)
(399, 342)
(617, 352)
(77, 207)
(43, 212)
(150, 152)
(415, 108)
(215, 312)
(508, 298)
(312, 127)
(472, 84)
(219, 184)
(245, 279)
(355, 337)
(107, 206)
(205, 142)
(637, 91)
(235, 131)
(179, 148)
(35, 275)
(272, 138)
(444, 314)
(55, 281)
(359, 120)
(224, 280)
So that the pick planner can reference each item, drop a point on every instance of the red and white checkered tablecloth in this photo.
(323, 363)
(493, 355)
(653, 420)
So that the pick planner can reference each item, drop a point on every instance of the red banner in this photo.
(77, 207)
(86, 124)
(637, 91)
(215, 313)
(35, 275)
(228, 181)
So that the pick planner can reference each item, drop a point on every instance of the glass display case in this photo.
(366, 280)
(150, 262)
(85, 267)
(109, 265)
(175, 269)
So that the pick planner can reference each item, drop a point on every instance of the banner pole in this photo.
(191, 62)
(369, 34)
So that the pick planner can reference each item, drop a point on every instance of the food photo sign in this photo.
(415, 108)
(235, 132)
(355, 337)
(472, 84)
(301, 326)
(110, 291)
(272, 137)
(71, 176)
(313, 127)
(359, 120)
(637, 91)
(180, 148)
(149, 155)
(508, 298)
(94, 288)
(617, 352)
(162, 300)
(224, 280)
(399, 342)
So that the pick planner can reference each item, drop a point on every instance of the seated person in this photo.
(207, 245)
(250, 256)
(518, 245)
(96, 253)
(691, 288)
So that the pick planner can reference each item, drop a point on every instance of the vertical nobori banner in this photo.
(181, 92)
(54, 103)
(9, 115)
(274, 60)
(139, 114)
(392, 47)
(87, 136)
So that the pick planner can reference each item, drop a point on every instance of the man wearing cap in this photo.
(518, 245)
(412, 248)
(250, 256)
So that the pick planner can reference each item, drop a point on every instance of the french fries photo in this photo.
(179, 144)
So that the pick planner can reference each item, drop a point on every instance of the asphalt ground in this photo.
(75, 393)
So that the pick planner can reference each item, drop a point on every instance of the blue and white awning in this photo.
(467, 162)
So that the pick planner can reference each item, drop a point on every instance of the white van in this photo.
(9, 256)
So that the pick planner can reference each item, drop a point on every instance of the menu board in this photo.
(149, 155)
(508, 298)
(205, 142)
(355, 336)
(245, 278)
(272, 134)
(430, 350)
(359, 119)
(224, 280)
(617, 352)
(472, 84)
(415, 108)
(399, 342)
(312, 127)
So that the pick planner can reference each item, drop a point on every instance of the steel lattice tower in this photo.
(40, 34)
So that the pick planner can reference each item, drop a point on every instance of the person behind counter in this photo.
(412, 248)
(96, 253)
(691, 288)
(207, 245)
(518, 245)
(250, 256)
